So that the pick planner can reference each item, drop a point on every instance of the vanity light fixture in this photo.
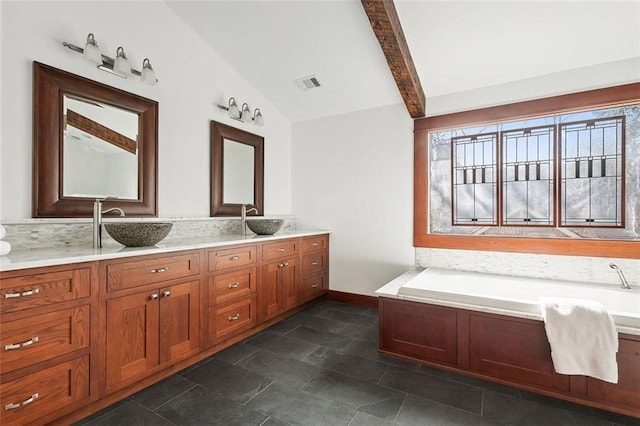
(119, 66)
(148, 74)
(258, 120)
(92, 51)
(243, 115)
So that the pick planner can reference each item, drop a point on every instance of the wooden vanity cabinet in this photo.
(155, 323)
(232, 286)
(45, 322)
(77, 338)
(315, 267)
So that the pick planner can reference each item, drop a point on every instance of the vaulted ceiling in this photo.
(456, 45)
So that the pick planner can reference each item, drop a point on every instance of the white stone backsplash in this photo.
(572, 268)
(46, 233)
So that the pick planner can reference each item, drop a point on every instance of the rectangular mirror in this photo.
(237, 170)
(91, 140)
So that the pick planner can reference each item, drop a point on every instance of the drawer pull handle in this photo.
(315, 285)
(281, 249)
(234, 317)
(154, 296)
(23, 403)
(159, 270)
(314, 263)
(24, 293)
(314, 244)
(234, 258)
(167, 293)
(234, 285)
(12, 346)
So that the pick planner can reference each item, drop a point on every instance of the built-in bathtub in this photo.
(490, 327)
(511, 295)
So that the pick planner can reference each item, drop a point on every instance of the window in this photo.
(557, 175)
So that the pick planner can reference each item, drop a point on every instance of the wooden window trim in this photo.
(592, 99)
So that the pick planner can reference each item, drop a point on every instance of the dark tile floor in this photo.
(321, 367)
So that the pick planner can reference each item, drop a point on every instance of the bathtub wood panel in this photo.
(627, 391)
(513, 348)
(428, 333)
(504, 349)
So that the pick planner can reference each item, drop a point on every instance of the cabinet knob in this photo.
(234, 317)
(154, 296)
(166, 293)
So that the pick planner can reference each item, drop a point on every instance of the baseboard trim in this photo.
(353, 298)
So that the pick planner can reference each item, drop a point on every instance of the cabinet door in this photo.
(289, 283)
(270, 297)
(179, 321)
(278, 291)
(132, 336)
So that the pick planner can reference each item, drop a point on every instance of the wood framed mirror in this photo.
(91, 141)
(237, 170)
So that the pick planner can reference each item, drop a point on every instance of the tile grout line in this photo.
(254, 396)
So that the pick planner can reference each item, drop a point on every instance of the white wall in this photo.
(353, 174)
(193, 78)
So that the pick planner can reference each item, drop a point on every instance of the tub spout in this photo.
(625, 283)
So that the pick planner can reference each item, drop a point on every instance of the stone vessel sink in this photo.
(265, 226)
(138, 234)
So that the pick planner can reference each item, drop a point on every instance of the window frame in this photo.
(592, 99)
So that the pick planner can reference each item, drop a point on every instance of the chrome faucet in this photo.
(243, 218)
(625, 283)
(97, 220)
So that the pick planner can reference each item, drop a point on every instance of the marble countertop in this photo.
(23, 259)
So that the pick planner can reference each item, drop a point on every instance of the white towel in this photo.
(5, 247)
(583, 338)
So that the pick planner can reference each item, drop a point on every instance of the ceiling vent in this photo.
(305, 83)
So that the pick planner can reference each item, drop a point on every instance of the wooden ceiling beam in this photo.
(96, 129)
(386, 26)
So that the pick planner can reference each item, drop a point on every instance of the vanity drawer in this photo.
(31, 340)
(320, 242)
(225, 287)
(128, 274)
(232, 318)
(279, 249)
(48, 288)
(311, 287)
(33, 396)
(313, 263)
(231, 258)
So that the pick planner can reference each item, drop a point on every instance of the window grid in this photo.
(482, 196)
(528, 179)
(474, 178)
(592, 157)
